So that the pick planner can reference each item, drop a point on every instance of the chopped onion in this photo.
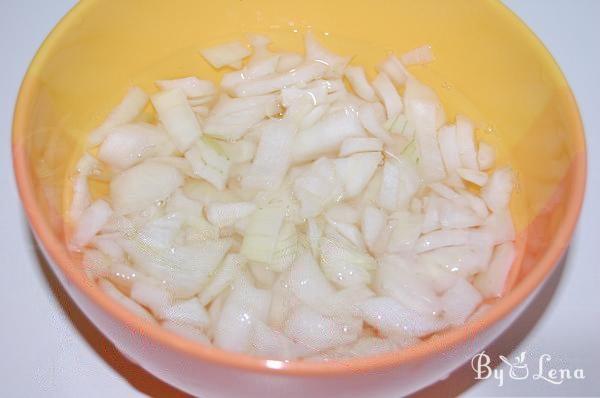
(418, 56)
(316, 52)
(491, 282)
(143, 185)
(289, 61)
(130, 107)
(231, 118)
(394, 69)
(245, 305)
(474, 176)
(449, 148)
(226, 273)
(327, 134)
(273, 156)
(208, 163)
(129, 144)
(177, 116)
(343, 262)
(372, 224)
(156, 298)
(390, 317)
(187, 312)
(465, 142)
(486, 156)
(497, 191)
(304, 73)
(261, 235)
(395, 278)
(385, 90)
(191, 86)
(125, 301)
(318, 187)
(227, 54)
(91, 222)
(356, 170)
(361, 86)
(460, 301)
(318, 332)
(354, 145)
(226, 214)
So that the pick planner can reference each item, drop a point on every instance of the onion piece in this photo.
(316, 52)
(358, 80)
(356, 171)
(273, 155)
(91, 222)
(343, 262)
(184, 269)
(208, 163)
(406, 228)
(125, 301)
(460, 301)
(152, 296)
(497, 191)
(317, 332)
(226, 54)
(230, 267)
(368, 118)
(226, 214)
(186, 331)
(289, 61)
(486, 156)
(442, 238)
(128, 109)
(476, 177)
(261, 235)
(317, 187)
(372, 224)
(187, 312)
(390, 317)
(400, 182)
(396, 278)
(129, 144)
(231, 118)
(143, 185)
(449, 148)
(353, 145)
(191, 86)
(385, 90)
(245, 305)
(307, 282)
(394, 69)
(177, 116)
(304, 73)
(465, 142)
(418, 56)
(492, 282)
(81, 194)
(327, 134)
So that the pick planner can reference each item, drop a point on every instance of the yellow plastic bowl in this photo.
(488, 65)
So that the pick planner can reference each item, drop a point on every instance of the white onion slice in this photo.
(226, 54)
(273, 155)
(497, 191)
(385, 90)
(491, 282)
(361, 86)
(177, 116)
(191, 86)
(460, 301)
(125, 301)
(486, 156)
(91, 222)
(128, 109)
(394, 69)
(418, 56)
(390, 317)
(465, 142)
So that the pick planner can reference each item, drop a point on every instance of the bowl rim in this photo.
(56, 251)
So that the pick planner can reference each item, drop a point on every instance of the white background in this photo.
(48, 348)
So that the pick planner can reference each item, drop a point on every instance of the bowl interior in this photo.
(488, 66)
